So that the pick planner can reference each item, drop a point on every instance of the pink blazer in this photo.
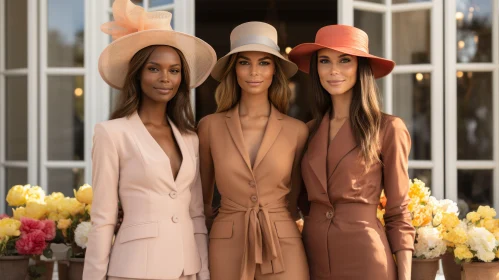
(163, 234)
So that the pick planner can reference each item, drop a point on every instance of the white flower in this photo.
(448, 206)
(81, 234)
(482, 242)
(429, 243)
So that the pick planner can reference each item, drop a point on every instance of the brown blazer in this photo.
(342, 236)
(163, 234)
(254, 233)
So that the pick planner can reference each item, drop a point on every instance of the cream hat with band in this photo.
(253, 36)
(134, 29)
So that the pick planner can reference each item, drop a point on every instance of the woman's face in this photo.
(161, 75)
(254, 71)
(337, 71)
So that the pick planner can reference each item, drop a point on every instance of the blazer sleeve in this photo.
(196, 210)
(206, 168)
(395, 148)
(105, 176)
(296, 179)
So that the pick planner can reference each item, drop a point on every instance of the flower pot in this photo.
(49, 268)
(423, 269)
(76, 268)
(14, 267)
(452, 270)
(480, 270)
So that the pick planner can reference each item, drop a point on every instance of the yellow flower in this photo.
(19, 212)
(63, 223)
(36, 209)
(84, 194)
(456, 236)
(53, 216)
(473, 217)
(70, 206)
(17, 195)
(380, 214)
(450, 220)
(35, 193)
(88, 208)
(53, 200)
(462, 252)
(497, 254)
(9, 227)
(490, 224)
(486, 212)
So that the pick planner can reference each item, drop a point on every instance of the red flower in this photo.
(48, 229)
(4, 216)
(32, 243)
(29, 225)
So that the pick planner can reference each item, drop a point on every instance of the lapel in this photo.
(187, 167)
(272, 130)
(317, 151)
(341, 145)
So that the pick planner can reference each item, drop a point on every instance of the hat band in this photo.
(254, 39)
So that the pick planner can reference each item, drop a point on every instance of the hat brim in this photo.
(302, 53)
(114, 60)
(289, 68)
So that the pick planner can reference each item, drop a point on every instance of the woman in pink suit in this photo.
(354, 151)
(146, 157)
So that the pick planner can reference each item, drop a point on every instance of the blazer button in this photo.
(329, 214)
(254, 198)
(175, 219)
(252, 184)
(173, 194)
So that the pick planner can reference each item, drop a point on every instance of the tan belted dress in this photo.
(254, 236)
(342, 236)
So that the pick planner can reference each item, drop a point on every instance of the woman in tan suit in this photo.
(354, 152)
(146, 157)
(252, 150)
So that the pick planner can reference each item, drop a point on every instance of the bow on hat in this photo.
(130, 18)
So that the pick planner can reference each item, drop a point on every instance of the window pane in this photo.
(421, 174)
(412, 103)
(65, 118)
(14, 176)
(474, 115)
(474, 189)
(65, 33)
(372, 24)
(16, 118)
(411, 37)
(65, 180)
(155, 3)
(474, 31)
(409, 1)
(16, 39)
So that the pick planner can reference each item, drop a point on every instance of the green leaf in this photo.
(48, 253)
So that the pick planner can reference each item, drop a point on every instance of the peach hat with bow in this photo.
(134, 29)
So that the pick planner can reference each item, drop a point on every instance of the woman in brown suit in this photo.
(354, 152)
(252, 150)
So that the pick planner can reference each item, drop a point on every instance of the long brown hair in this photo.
(228, 92)
(178, 109)
(365, 112)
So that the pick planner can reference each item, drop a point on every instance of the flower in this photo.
(473, 217)
(49, 229)
(9, 227)
(32, 243)
(486, 212)
(81, 234)
(17, 195)
(36, 209)
(19, 212)
(84, 194)
(53, 200)
(88, 208)
(483, 242)
(429, 243)
(462, 252)
(31, 225)
(70, 207)
(64, 223)
(4, 216)
(35, 193)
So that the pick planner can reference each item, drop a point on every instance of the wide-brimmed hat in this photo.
(134, 29)
(345, 39)
(253, 36)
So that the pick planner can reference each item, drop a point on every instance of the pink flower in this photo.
(29, 225)
(49, 229)
(32, 243)
(4, 216)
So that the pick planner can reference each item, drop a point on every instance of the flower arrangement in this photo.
(26, 237)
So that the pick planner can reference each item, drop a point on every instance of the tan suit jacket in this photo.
(254, 236)
(163, 234)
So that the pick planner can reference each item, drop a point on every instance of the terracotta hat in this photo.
(134, 29)
(345, 39)
(253, 36)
